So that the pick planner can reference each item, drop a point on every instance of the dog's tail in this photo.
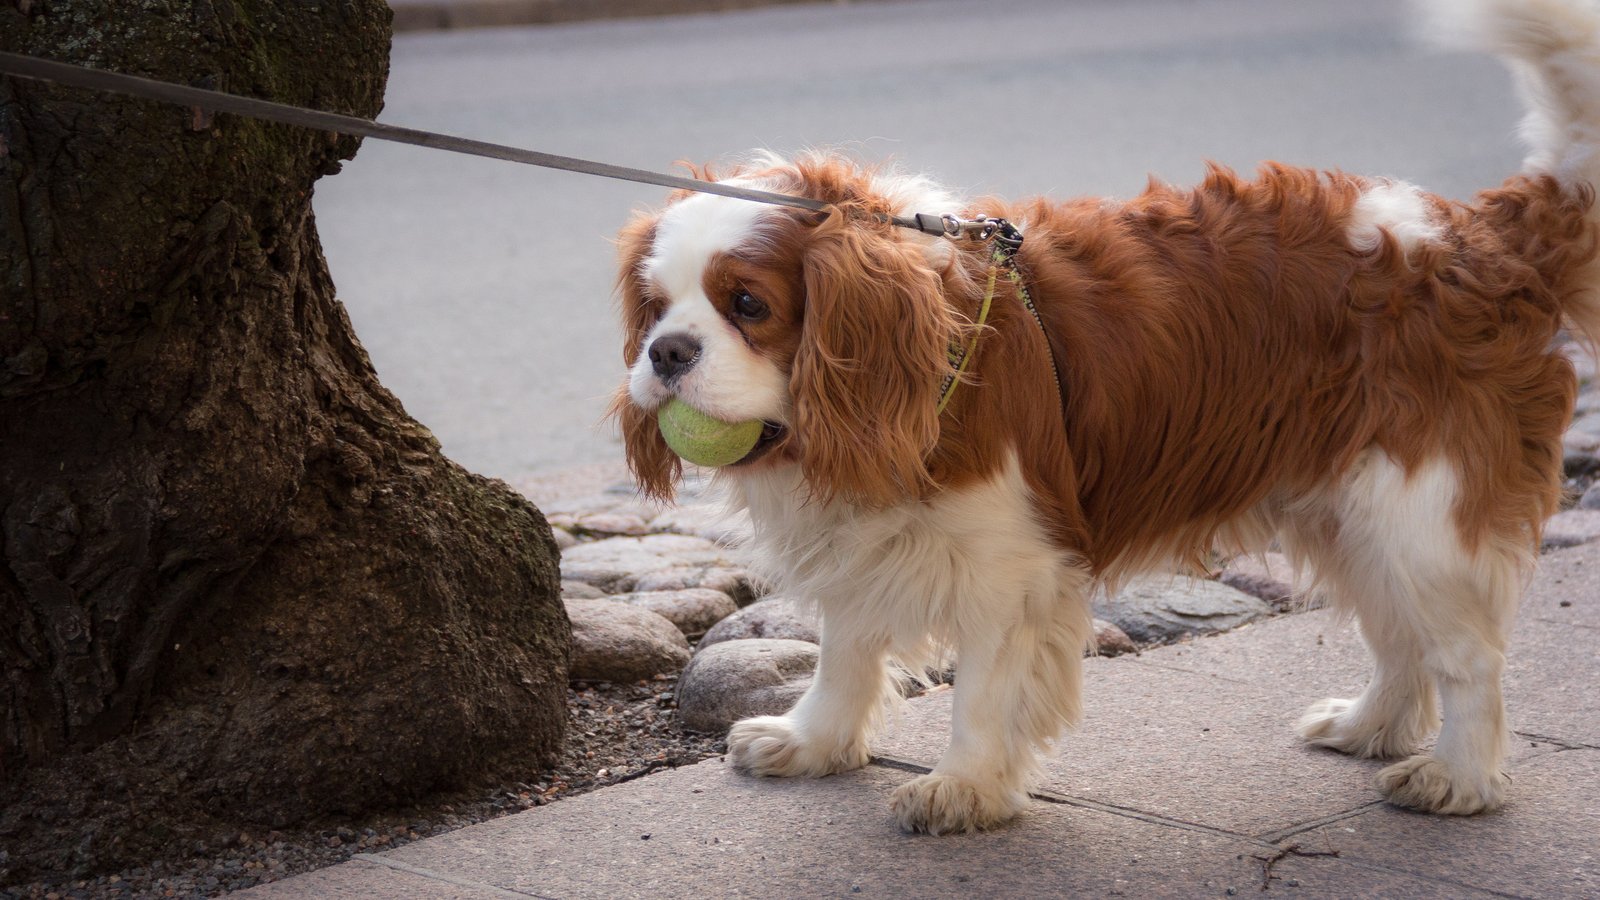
(1553, 50)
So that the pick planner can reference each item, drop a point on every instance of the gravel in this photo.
(615, 733)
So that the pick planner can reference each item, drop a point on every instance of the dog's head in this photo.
(832, 328)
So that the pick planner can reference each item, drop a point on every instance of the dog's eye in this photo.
(748, 307)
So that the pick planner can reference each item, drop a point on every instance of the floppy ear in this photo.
(653, 464)
(873, 349)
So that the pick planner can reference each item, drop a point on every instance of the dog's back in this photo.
(1235, 348)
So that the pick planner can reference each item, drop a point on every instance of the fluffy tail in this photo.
(1553, 50)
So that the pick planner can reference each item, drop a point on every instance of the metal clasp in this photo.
(982, 228)
(1005, 237)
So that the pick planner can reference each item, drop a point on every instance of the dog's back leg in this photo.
(1393, 714)
(1433, 609)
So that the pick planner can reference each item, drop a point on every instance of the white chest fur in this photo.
(917, 574)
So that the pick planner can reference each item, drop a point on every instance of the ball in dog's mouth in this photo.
(772, 434)
(703, 439)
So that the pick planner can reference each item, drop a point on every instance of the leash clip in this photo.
(982, 228)
(1006, 237)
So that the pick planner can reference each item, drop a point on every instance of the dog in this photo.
(1361, 371)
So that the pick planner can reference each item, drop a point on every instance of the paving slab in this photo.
(1552, 682)
(1545, 842)
(1181, 746)
(1185, 780)
(1566, 589)
(1312, 877)
(705, 831)
(366, 877)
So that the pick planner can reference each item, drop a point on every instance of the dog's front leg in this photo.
(830, 726)
(1018, 684)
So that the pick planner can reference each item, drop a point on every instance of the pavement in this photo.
(1186, 780)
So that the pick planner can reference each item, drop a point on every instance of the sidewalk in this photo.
(1186, 781)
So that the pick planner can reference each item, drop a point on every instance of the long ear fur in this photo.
(866, 377)
(654, 465)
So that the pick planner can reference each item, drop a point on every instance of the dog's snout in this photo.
(672, 355)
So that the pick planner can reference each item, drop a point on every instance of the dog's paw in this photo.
(1334, 723)
(772, 745)
(1428, 784)
(944, 804)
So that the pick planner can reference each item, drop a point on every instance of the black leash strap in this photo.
(20, 66)
(1006, 238)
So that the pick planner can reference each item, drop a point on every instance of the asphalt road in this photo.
(483, 290)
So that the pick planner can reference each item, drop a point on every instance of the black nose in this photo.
(673, 355)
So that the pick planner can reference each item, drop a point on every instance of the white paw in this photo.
(772, 745)
(1334, 723)
(1428, 784)
(944, 804)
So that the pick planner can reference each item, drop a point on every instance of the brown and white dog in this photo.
(1354, 368)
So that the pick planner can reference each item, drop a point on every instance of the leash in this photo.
(1005, 240)
(71, 75)
(1005, 237)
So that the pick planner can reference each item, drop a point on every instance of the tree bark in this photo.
(239, 584)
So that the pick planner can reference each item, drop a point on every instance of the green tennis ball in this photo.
(703, 440)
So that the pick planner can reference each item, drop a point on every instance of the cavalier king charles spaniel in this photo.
(1363, 372)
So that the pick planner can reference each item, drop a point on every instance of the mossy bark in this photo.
(239, 584)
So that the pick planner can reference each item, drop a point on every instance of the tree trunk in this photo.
(239, 584)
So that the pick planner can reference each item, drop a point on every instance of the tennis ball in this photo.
(703, 440)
